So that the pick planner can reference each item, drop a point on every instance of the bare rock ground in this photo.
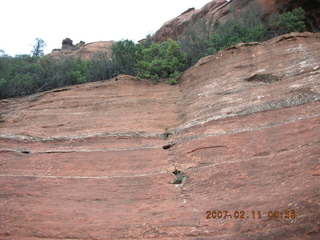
(87, 162)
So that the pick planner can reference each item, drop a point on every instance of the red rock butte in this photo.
(87, 161)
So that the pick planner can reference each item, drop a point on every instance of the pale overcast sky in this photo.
(53, 20)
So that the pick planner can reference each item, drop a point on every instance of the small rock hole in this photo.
(168, 146)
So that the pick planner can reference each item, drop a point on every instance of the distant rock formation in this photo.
(67, 43)
(83, 50)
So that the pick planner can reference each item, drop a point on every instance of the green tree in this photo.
(195, 41)
(292, 21)
(101, 67)
(38, 47)
(125, 55)
(247, 27)
(311, 8)
(161, 60)
(2, 53)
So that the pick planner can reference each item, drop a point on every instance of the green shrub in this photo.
(161, 60)
(195, 42)
(174, 78)
(247, 27)
(19, 75)
(148, 59)
(311, 8)
(203, 40)
(293, 21)
(125, 55)
(23, 75)
(101, 67)
(234, 32)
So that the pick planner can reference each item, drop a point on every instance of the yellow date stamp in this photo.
(252, 214)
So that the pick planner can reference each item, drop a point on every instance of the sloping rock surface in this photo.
(87, 161)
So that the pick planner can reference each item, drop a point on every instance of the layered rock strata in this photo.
(95, 161)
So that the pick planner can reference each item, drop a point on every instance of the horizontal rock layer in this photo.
(88, 161)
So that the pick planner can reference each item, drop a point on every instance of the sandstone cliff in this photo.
(87, 161)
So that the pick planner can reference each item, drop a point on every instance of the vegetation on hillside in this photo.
(27, 74)
(311, 7)
(249, 26)
(161, 61)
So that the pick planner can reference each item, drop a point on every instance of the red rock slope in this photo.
(87, 161)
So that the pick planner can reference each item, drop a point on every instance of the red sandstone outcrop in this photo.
(87, 161)
(82, 50)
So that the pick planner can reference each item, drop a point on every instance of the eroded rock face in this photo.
(83, 50)
(95, 161)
